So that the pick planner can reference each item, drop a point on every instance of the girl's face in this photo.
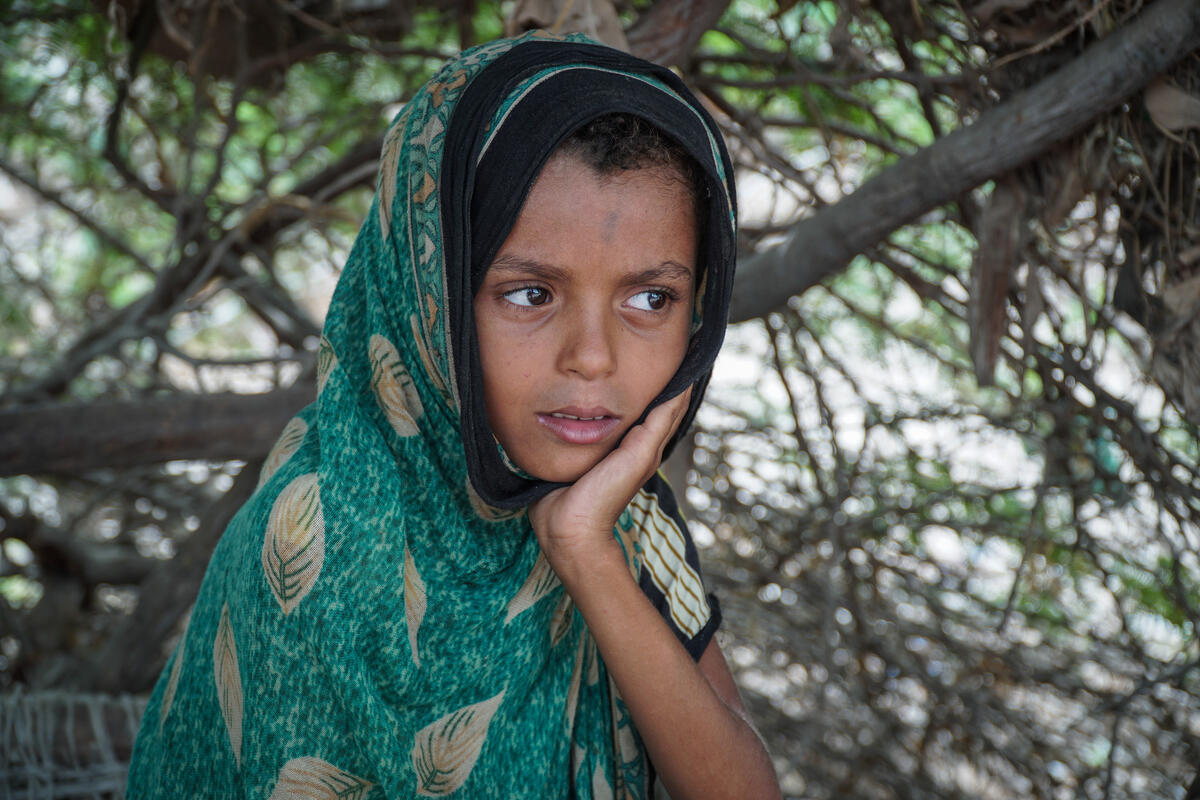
(585, 313)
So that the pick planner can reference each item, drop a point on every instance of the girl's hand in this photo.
(574, 524)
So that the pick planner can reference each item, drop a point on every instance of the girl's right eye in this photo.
(527, 296)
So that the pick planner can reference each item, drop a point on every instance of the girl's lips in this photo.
(579, 431)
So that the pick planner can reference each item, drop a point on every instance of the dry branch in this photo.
(1001, 139)
(73, 438)
(668, 31)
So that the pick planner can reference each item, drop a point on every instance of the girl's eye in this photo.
(527, 296)
(651, 300)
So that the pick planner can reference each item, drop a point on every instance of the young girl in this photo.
(461, 574)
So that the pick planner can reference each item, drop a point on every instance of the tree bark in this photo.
(669, 30)
(74, 438)
(1002, 138)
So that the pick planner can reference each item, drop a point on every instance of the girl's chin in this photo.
(566, 470)
(561, 475)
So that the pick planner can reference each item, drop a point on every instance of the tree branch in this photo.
(102, 233)
(356, 168)
(1002, 138)
(66, 439)
(669, 30)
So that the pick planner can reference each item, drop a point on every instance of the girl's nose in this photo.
(588, 346)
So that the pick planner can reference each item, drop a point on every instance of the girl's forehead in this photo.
(634, 220)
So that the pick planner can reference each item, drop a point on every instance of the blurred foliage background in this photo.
(948, 492)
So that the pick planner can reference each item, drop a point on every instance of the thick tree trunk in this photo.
(69, 439)
(1003, 138)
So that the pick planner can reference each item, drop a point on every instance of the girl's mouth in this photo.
(580, 426)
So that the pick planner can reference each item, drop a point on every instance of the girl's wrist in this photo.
(585, 567)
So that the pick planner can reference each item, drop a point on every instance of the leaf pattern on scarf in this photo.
(573, 687)
(445, 752)
(601, 790)
(394, 387)
(631, 775)
(429, 250)
(172, 683)
(431, 369)
(485, 52)
(541, 582)
(428, 187)
(326, 360)
(310, 778)
(294, 545)
(389, 164)
(439, 89)
(229, 682)
(560, 622)
(578, 759)
(288, 443)
(414, 602)
(593, 661)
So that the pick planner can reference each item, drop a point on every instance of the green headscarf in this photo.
(370, 625)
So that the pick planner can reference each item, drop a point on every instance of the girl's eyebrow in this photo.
(528, 267)
(525, 267)
(666, 271)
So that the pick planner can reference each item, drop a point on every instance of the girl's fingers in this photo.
(665, 418)
(647, 441)
(673, 411)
